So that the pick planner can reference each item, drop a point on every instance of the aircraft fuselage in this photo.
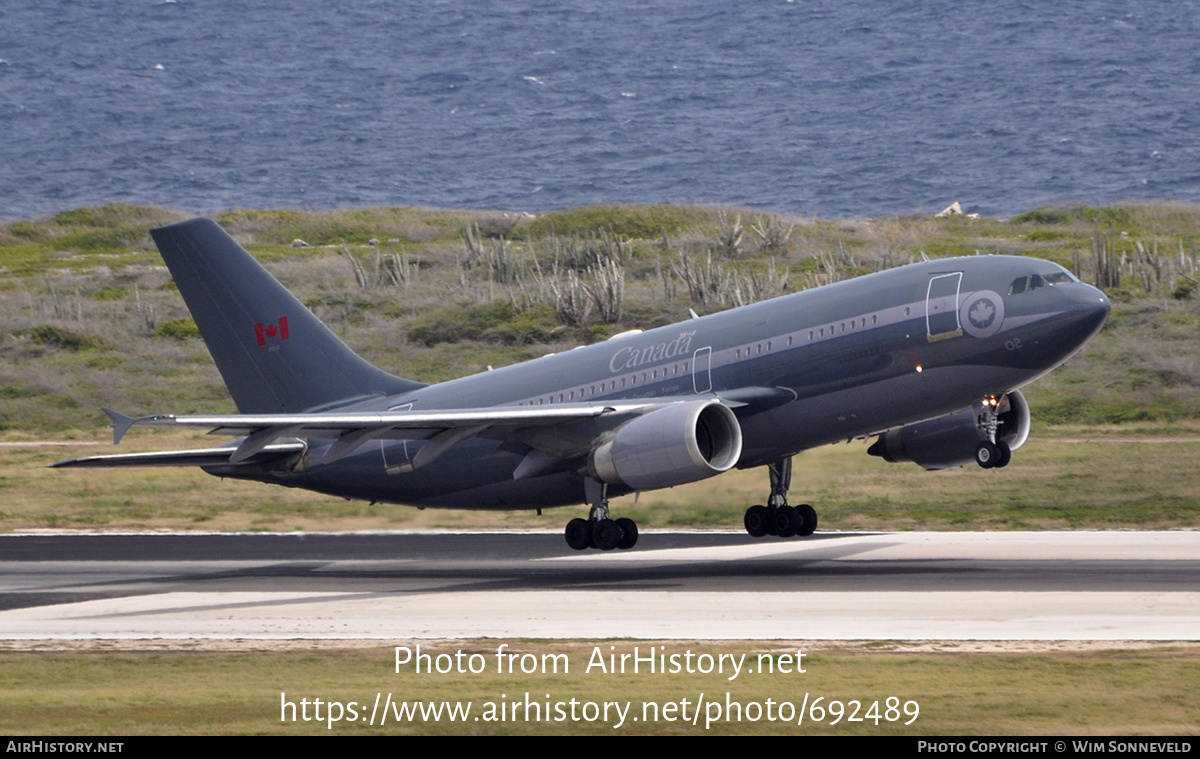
(846, 360)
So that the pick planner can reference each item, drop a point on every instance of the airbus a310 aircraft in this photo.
(928, 357)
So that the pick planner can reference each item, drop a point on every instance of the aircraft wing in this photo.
(403, 423)
(559, 430)
(350, 430)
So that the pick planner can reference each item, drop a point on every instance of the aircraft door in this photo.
(397, 459)
(941, 307)
(702, 370)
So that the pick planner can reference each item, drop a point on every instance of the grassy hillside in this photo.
(90, 317)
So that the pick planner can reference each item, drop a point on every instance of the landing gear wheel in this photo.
(629, 533)
(599, 530)
(777, 517)
(787, 522)
(579, 534)
(1005, 455)
(987, 455)
(605, 534)
(757, 521)
(809, 516)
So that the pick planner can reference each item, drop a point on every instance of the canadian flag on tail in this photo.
(272, 332)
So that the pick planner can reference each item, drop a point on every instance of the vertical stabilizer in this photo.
(274, 355)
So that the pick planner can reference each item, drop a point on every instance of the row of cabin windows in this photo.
(590, 391)
(567, 396)
(856, 323)
(841, 327)
(757, 348)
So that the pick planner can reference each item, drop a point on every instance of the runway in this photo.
(674, 585)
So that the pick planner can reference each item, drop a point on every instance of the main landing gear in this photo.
(992, 453)
(777, 517)
(599, 531)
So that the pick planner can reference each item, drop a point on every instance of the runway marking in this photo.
(650, 615)
(802, 549)
(1066, 545)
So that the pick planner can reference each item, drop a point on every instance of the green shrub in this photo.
(48, 334)
(494, 322)
(115, 215)
(281, 226)
(27, 230)
(179, 329)
(110, 293)
(630, 222)
(102, 240)
(1109, 215)
(1047, 235)
(1043, 216)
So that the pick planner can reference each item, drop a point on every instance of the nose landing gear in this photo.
(993, 452)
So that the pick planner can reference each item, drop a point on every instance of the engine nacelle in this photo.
(669, 446)
(950, 441)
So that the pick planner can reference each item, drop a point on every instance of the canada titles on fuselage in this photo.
(631, 358)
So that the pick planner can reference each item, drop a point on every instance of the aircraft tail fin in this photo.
(273, 353)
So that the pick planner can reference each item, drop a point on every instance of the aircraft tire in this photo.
(629, 533)
(809, 516)
(787, 522)
(757, 521)
(605, 534)
(1005, 455)
(987, 454)
(579, 534)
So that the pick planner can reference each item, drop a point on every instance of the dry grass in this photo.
(1118, 482)
(1104, 691)
(89, 276)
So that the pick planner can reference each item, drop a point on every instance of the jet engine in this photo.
(669, 446)
(951, 441)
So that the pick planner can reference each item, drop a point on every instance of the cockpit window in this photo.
(1033, 282)
(1026, 284)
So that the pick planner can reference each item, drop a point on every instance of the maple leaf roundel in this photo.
(982, 313)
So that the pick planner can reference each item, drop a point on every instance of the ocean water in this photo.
(815, 108)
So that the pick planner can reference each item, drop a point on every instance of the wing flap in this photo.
(425, 424)
(202, 457)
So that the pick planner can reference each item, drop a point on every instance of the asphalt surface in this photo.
(937, 586)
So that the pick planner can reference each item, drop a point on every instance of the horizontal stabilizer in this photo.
(202, 457)
(121, 423)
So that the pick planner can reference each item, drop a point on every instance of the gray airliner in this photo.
(929, 358)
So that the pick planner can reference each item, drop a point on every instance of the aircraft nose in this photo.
(1091, 308)
(1100, 305)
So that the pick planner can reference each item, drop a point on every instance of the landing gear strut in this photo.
(598, 530)
(992, 452)
(777, 517)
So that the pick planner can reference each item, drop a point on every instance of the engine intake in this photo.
(681, 443)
